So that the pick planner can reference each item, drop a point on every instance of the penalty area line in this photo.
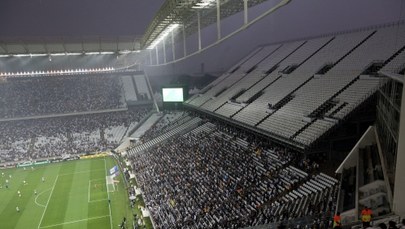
(75, 221)
(85, 171)
(94, 201)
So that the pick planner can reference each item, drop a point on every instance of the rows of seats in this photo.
(54, 137)
(356, 94)
(208, 178)
(129, 88)
(292, 54)
(396, 64)
(165, 123)
(344, 79)
(254, 76)
(324, 87)
(33, 96)
(190, 123)
(310, 198)
(142, 87)
(228, 79)
(330, 53)
(114, 134)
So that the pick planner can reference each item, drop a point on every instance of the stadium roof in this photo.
(103, 26)
(75, 26)
(184, 12)
(36, 45)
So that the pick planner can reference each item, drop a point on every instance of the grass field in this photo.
(73, 195)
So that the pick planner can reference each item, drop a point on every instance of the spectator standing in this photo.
(337, 221)
(366, 217)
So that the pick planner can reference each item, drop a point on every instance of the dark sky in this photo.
(48, 18)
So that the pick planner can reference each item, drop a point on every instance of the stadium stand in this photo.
(258, 147)
(24, 97)
(215, 177)
(129, 89)
(298, 91)
(53, 137)
(167, 121)
(142, 87)
(187, 123)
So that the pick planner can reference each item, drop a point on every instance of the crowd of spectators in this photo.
(51, 137)
(23, 97)
(169, 119)
(217, 179)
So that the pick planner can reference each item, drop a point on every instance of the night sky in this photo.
(53, 18)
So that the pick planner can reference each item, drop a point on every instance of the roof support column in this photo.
(184, 41)
(150, 57)
(157, 55)
(173, 50)
(164, 50)
(199, 30)
(245, 11)
(219, 19)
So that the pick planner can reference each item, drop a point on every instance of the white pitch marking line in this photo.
(108, 194)
(75, 221)
(86, 171)
(88, 193)
(41, 205)
(92, 201)
(49, 198)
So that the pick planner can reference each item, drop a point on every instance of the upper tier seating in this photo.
(300, 90)
(23, 97)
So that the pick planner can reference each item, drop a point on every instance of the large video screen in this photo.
(173, 95)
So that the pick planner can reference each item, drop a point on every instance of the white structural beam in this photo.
(173, 48)
(219, 19)
(164, 50)
(245, 12)
(199, 29)
(241, 29)
(157, 54)
(150, 57)
(399, 189)
(184, 41)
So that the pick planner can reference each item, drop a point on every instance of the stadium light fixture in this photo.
(74, 53)
(58, 54)
(67, 54)
(163, 35)
(58, 72)
(39, 54)
(204, 4)
(21, 55)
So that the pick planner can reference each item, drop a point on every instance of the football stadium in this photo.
(202, 114)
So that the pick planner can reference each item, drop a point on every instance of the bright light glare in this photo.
(204, 4)
(57, 72)
(163, 35)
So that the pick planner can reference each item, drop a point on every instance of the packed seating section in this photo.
(216, 177)
(35, 96)
(55, 137)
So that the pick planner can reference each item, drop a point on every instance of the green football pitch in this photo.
(73, 194)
